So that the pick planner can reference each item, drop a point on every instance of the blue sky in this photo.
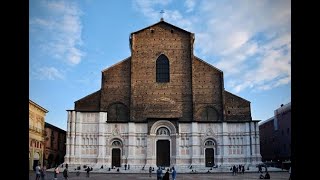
(71, 42)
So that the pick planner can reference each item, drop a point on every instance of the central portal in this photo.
(163, 153)
(115, 158)
(209, 157)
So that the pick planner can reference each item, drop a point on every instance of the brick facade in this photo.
(194, 84)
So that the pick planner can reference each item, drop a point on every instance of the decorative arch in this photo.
(209, 151)
(208, 113)
(214, 145)
(163, 131)
(162, 69)
(36, 156)
(117, 139)
(163, 123)
(118, 112)
(209, 143)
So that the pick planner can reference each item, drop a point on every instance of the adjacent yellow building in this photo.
(36, 134)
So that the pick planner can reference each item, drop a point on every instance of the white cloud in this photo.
(249, 40)
(148, 9)
(60, 30)
(190, 5)
(49, 73)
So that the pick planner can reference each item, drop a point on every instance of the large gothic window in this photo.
(118, 112)
(163, 69)
(209, 114)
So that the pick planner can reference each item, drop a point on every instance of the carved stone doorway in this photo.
(209, 157)
(163, 153)
(115, 157)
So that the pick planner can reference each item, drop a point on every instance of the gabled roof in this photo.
(237, 96)
(208, 64)
(128, 58)
(87, 96)
(38, 106)
(161, 22)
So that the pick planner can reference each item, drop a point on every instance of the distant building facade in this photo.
(55, 145)
(162, 106)
(275, 135)
(36, 134)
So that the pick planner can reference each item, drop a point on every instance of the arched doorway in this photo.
(116, 153)
(115, 157)
(50, 161)
(163, 147)
(36, 159)
(209, 153)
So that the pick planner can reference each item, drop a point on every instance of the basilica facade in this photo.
(162, 106)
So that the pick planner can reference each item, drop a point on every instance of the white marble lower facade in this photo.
(91, 140)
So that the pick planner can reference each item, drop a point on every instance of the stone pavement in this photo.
(145, 176)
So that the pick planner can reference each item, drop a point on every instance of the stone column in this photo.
(101, 138)
(151, 154)
(173, 150)
(131, 143)
(224, 148)
(78, 137)
(72, 138)
(68, 136)
(195, 145)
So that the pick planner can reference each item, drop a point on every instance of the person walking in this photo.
(66, 173)
(174, 173)
(150, 171)
(56, 172)
(38, 169)
(159, 173)
(43, 172)
(166, 175)
(290, 173)
(88, 171)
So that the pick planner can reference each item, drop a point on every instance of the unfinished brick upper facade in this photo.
(129, 90)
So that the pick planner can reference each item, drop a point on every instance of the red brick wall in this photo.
(207, 88)
(236, 108)
(150, 99)
(116, 85)
(89, 103)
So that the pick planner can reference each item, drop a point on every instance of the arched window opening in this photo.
(163, 69)
(118, 112)
(209, 114)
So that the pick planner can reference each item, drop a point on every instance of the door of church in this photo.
(209, 157)
(115, 158)
(163, 153)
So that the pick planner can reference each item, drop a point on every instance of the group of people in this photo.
(166, 175)
(41, 172)
(237, 169)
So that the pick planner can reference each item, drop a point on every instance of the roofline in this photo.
(208, 64)
(87, 96)
(46, 123)
(38, 106)
(161, 21)
(237, 96)
(116, 64)
(265, 121)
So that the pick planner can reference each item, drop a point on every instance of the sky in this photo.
(71, 42)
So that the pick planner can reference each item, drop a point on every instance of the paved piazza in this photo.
(96, 176)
